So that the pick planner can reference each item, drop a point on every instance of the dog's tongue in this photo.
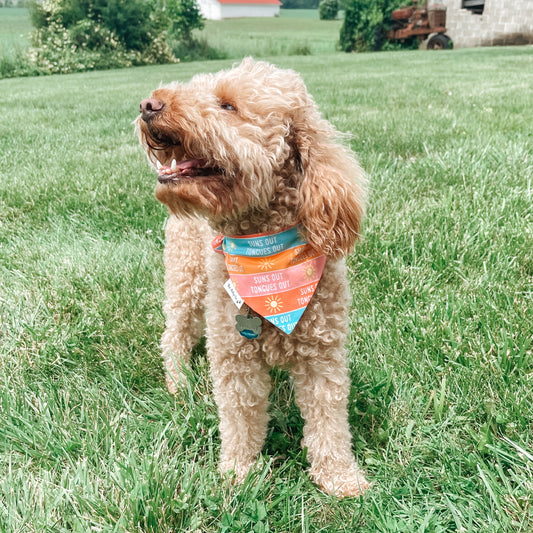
(189, 163)
(181, 168)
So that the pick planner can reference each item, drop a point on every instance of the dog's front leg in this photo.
(241, 380)
(321, 392)
(241, 384)
(185, 289)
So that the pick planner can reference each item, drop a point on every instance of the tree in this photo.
(364, 23)
(184, 17)
(328, 9)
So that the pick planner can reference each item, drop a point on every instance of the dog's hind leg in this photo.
(185, 289)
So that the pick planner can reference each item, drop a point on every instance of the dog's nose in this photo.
(150, 107)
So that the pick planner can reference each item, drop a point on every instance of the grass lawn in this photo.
(296, 32)
(442, 322)
(14, 26)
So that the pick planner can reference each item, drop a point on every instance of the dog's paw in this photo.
(343, 484)
(234, 469)
(175, 381)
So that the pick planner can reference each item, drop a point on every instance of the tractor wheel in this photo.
(440, 42)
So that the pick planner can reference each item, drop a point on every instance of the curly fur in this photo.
(274, 162)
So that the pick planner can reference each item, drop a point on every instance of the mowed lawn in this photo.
(15, 26)
(295, 32)
(442, 319)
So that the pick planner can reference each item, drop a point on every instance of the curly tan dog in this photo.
(245, 153)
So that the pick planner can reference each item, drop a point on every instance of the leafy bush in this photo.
(299, 49)
(184, 17)
(300, 4)
(85, 46)
(14, 64)
(196, 50)
(365, 22)
(328, 9)
(77, 35)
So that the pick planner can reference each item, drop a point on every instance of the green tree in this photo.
(328, 9)
(364, 23)
(300, 4)
(184, 17)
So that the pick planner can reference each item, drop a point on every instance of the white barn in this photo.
(230, 9)
(489, 22)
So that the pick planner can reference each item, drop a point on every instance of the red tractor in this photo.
(412, 22)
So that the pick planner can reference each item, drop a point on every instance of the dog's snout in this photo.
(150, 107)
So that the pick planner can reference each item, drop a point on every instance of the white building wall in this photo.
(210, 9)
(232, 11)
(502, 22)
(213, 10)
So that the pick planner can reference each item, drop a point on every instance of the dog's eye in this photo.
(228, 107)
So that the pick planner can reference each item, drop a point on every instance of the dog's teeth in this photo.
(158, 164)
(174, 165)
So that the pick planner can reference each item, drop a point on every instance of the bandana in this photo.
(276, 274)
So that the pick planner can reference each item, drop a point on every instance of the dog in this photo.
(248, 168)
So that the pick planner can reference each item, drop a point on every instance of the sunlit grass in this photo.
(442, 320)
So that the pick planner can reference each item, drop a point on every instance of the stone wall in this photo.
(502, 22)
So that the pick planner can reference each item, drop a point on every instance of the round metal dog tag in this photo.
(248, 326)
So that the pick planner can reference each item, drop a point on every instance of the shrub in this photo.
(184, 17)
(328, 9)
(299, 49)
(300, 4)
(86, 46)
(196, 50)
(365, 22)
(76, 35)
(15, 63)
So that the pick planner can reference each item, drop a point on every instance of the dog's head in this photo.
(232, 143)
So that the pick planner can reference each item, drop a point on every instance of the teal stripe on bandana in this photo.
(264, 245)
(286, 321)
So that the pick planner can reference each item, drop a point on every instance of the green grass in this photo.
(442, 320)
(296, 32)
(14, 26)
(299, 13)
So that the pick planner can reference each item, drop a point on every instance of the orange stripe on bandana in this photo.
(276, 274)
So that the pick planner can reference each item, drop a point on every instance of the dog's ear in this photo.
(332, 187)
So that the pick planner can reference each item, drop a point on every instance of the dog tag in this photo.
(248, 326)
(233, 294)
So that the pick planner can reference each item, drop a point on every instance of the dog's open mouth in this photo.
(187, 169)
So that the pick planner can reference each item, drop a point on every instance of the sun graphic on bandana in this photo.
(297, 253)
(309, 272)
(266, 263)
(274, 304)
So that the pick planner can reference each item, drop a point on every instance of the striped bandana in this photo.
(276, 274)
